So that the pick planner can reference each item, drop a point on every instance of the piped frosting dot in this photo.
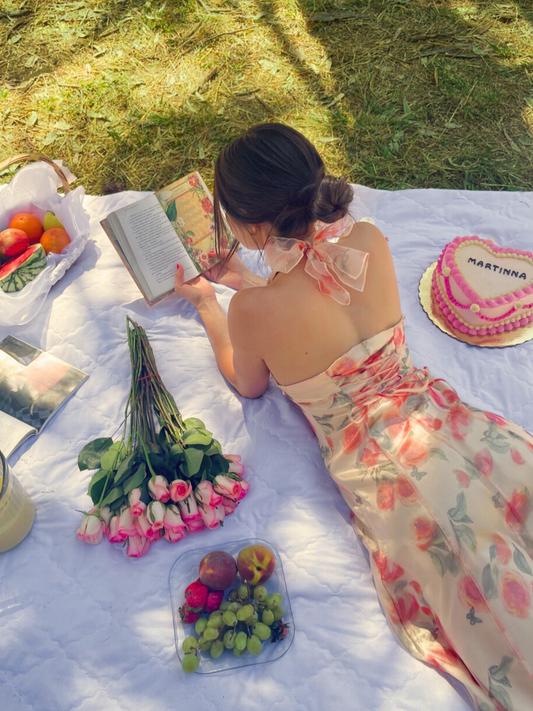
(474, 308)
(518, 305)
(446, 271)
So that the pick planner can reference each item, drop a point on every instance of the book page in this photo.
(12, 433)
(155, 245)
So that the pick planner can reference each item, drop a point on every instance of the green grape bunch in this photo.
(249, 618)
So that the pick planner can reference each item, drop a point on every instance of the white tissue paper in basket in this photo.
(34, 190)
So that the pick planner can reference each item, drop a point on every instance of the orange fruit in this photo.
(29, 224)
(54, 240)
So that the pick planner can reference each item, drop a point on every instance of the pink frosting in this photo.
(491, 330)
(449, 259)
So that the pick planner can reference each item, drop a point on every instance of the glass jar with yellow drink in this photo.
(17, 510)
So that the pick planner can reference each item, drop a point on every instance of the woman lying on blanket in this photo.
(443, 514)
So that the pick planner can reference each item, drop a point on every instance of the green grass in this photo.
(401, 94)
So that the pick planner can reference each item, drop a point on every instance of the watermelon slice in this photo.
(20, 271)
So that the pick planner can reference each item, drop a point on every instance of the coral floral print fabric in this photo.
(440, 496)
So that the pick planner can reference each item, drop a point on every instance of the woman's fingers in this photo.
(178, 282)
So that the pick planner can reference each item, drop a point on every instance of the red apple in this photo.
(256, 564)
(13, 242)
(218, 570)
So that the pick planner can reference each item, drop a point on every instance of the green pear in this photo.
(50, 220)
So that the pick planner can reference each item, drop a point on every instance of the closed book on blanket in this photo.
(33, 386)
(174, 224)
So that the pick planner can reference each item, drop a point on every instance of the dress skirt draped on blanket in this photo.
(439, 495)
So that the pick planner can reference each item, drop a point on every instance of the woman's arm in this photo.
(235, 356)
(233, 272)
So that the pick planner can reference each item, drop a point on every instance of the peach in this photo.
(218, 570)
(256, 564)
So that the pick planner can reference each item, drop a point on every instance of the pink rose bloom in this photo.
(212, 516)
(205, 494)
(235, 467)
(470, 595)
(190, 514)
(180, 490)
(91, 529)
(229, 505)
(158, 488)
(173, 521)
(174, 536)
(105, 514)
(137, 507)
(227, 487)
(145, 530)
(516, 456)
(515, 594)
(517, 510)
(126, 523)
(137, 546)
(244, 488)
(483, 461)
(112, 531)
(503, 552)
(155, 514)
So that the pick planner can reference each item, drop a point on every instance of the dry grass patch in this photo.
(396, 93)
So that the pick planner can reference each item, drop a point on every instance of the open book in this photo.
(174, 224)
(33, 386)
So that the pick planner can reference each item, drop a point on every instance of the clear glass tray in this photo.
(185, 571)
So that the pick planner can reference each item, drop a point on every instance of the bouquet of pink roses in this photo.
(165, 477)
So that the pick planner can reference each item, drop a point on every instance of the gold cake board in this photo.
(432, 308)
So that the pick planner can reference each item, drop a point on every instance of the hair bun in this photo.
(333, 199)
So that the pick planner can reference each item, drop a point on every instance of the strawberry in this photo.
(197, 598)
(214, 600)
(188, 616)
(193, 586)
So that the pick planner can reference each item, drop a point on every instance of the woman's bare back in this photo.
(298, 332)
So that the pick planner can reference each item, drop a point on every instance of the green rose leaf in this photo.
(219, 465)
(125, 468)
(488, 582)
(197, 436)
(113, 456)
(459, 511)
(90, 455)
(118, 503)
(193, 460)
(96, 485)
(467, 536)
(194, 423)
(521, 561)
(439, 453)
(136, 480)
(115, 493)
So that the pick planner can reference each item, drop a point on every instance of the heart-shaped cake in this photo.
(484, 289)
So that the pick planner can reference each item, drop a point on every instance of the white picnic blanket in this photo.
(84, 628)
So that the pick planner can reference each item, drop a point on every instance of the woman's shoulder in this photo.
(365, 236)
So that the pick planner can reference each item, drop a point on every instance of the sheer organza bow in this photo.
(327, 262)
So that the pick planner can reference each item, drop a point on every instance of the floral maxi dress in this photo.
(439, 492)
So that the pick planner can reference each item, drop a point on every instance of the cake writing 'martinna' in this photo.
(484, 289)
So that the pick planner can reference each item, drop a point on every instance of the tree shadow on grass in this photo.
(427, 98)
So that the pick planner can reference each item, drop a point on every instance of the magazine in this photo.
(174, 224)
(33, 386)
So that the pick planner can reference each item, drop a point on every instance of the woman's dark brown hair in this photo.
(272, 173)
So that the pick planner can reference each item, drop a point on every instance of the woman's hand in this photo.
(197, 291)
(233, 272)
